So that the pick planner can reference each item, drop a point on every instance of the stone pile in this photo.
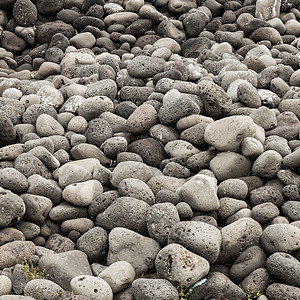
(149, 149)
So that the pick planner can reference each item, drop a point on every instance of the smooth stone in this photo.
(136, 188)
(291, 210)
(13, 180)
(46, 126)
(278, 290)
(265, 212)
(186, 269)
(161, 217)
(248, 95)
(226, 165)
(83, 40)
(82, 193)
(229, 206)
(238, 236)
(113, 146)
(263, 9)
(266, 33)
(118, 275)
(200, 192)
(278, 144)
(163, 133)
(264, 117)
(280, 238)
(130, 169)
(91, 286)
(158, 183)
(262, 167)
(79, 225)
(126, 245)
(166, 84)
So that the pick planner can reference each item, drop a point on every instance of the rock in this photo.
(280, 238)
(180, 266)
(263, 9)
(13, 180)
(264, 213)
(82, 193)
(278, 290)
(266, 194)
(200, 193)
(116, 215)
(187, 234)
(10, 234)
(14, 252)
(138, 250)
(61, 271)
(180, 148)
(248, 261)
(118, 275)
(290, 209)
(238, 236)
(59, 243)
(235, 188)
(46, 125)
(218, 284)
(136, 188)
(144, 288)
(284, 267)
(229, 206)
(226, 165)
(91, 286)
(161, 217)
(6, 285)
(43, 288)
(236, 127)
(25, 13)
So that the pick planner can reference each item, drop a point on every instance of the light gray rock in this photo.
(130, 246)
(264, 117)
(180, 266)
(44, 289)
(46, 125)
(200, 192)
(180, 148)
(267, 10)
(284, 267)
(13, 180)
(235, 188)
(136, 188)
(161, 217)
(228, 133)
(152, 289)
(130, 169)
(265, 212)
(267, 164)
(252, 147)
(92, 287)
(227, 165)
(229, 206)
(277, 291)
(63, 267)
(280, 238)
(5, 285)
(198, 237)
(238, 236)
(50, 96)
(118, 275)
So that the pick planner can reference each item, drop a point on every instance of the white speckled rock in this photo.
(5, 285)
(94, 287)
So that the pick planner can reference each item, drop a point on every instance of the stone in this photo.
(46, 125)
(63, 267)
(59, 243)
(10, 234)
(284, 267)
(236, 128)
(226, 165)
(290, 209)
(248, 95)
(13, 180)
(82, 193)
(25, 13)
(229, 206)
(50, 96)
(118, 275)
(248, 261)
(266, 194)
(138, 250)
(43, 288)
(15, 251)
(235, 188)
(263, 9)
(238, 236)
(91, 286)
(265, 212)
(6, 285)
(83, 40)
(200, 192)
(278, 290)
(198, 237)
(262, 167)
(180, 266)
(280, 238)
(146, 288)
(136, 188)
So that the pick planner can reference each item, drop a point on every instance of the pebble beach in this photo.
(149, 150)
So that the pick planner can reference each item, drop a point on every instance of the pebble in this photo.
(6, 285)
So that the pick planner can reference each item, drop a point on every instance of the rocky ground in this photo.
(149, 149)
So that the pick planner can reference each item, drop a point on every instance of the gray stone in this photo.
(113, 146)
(63, 267)
(284, 267)
(235, 188)
(267, 10)
(198, 237)
(45, 289)
(277, 291)
(238, 236)
(248, 95)
(278, 144)
(280, 238)
(12, 208)
(249, 260)
(200, 192)
(266, 194)
(180, 266)
(264, 117)
(229, 206)
(291, 210)
(138, 250)
(166, 84)
(46, 125)
(265, 212)
(59, 243)
(151, 289)
(105, 87)
(13, 180)
(116, 215)
(136, 188)
(161, 217)
(118, 275)
(226, 165)
(91, 286)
